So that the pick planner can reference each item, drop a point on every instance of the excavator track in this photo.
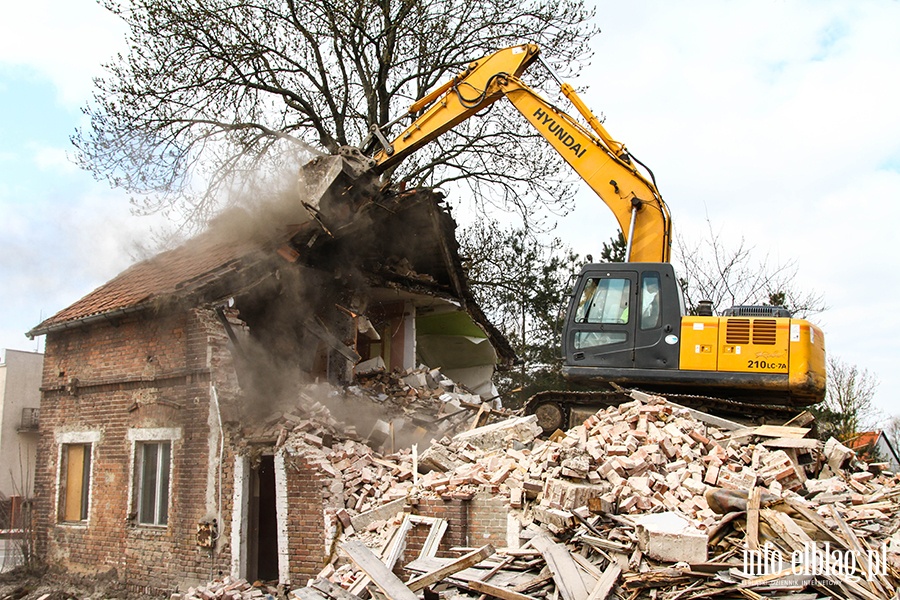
(563, 409)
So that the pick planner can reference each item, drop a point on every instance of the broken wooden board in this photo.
(565, 570)
(780, 431)
(464, 562)
(606, 582)
(389, 584)
(496, 591)
(753, 519)
(505, 577)
(331, 590)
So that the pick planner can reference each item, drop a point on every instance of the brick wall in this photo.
(307, 491)
(150, 372)
(488, 520)
(470, 523)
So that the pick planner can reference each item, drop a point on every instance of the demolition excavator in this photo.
(626, 324)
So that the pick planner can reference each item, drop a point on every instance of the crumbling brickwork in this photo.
(108, 384)
(487, 520)
(455, 511)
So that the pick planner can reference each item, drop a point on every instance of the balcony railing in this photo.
(30, 417)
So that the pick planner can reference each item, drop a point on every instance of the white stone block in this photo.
(670, 537)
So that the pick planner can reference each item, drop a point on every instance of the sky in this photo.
(772, 121)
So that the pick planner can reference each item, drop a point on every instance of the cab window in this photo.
(650, 303)
(604, 300)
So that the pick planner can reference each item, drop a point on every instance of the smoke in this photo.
(296, 327)
(286, 318)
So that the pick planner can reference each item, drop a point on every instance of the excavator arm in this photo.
(603, 163)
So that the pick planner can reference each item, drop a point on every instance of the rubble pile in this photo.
(386, 410)
(229, 588)
(643, 500)
(646, 498)
(383, 412)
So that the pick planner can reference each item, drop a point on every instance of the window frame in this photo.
(66, 441)
(644, 323)
(156, 503)
(141, 439)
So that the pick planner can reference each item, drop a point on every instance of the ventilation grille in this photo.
(737, 331)
(764, 332)
(756, 311)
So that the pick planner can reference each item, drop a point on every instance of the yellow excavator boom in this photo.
(601, 161)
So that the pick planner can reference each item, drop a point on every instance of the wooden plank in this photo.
(606, 582)
(753, 519)
(592, 569)
(607, 544)
(496, 591)
(779, 431)
(390, 553)
(801, 443)
(861, 559)
(535, 583)
(398, 542)
(332, 590)
(801, 420)
(814, 518)
(773, 520)
(435, 534)
(389, 584)
(306, 593)
(562, 565)
(464, 562)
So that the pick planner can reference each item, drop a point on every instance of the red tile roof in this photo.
(166, 274)
(864, 440)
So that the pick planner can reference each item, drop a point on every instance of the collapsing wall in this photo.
(175, 367)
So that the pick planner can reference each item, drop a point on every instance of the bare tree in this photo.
(733, 275)
(848, 407)
(892, 431)
(213, 92)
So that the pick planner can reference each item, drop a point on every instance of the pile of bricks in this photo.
(643, 500)
(649, 492)
(229, 588)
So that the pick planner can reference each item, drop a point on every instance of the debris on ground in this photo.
(643, 500)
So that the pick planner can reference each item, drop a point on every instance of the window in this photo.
(75, 481)
(650, 301)
(154, 460)
(604, 301)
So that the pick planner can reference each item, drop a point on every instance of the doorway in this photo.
(262, 534)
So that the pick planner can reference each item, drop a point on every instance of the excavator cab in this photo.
(622, 317)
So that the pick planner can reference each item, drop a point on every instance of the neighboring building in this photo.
(148, 382)
(20, 396)
(874, 446)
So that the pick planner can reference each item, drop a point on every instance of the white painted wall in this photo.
(20, 381)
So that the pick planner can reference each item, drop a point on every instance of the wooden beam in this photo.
(332, 590)
(562, 565)
(389, 584)
(496, 591)
(606, 582)
(780, 431)
(753, 519)
(464, 562)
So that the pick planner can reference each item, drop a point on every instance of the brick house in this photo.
(875, 446)
(142, 470)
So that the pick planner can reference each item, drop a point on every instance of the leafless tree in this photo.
(848, 408)
(892, 431)
(734, 274)
(211, 93)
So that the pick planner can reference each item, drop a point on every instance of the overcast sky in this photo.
(776, 121)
